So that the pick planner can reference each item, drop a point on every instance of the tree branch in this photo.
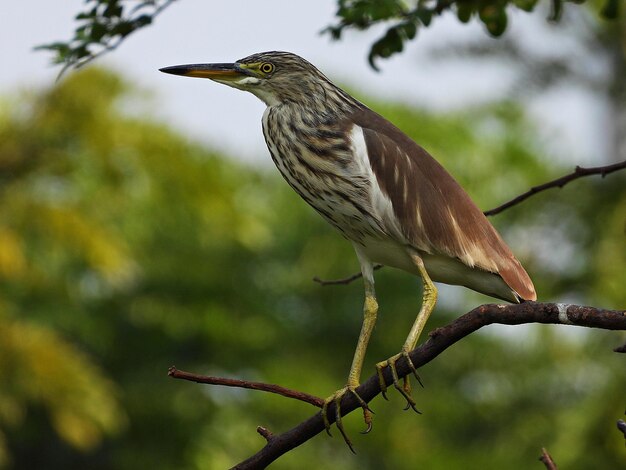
(579, 172)
(547, 460)
(205, 379)
(439, 340)
(344, 280)
(105, 26)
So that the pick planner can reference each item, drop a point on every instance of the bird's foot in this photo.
(405, 388)
(336, 399)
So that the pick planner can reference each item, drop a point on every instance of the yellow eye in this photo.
(266, 67)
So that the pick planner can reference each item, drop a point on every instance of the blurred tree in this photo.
(594, 64)
(104, 24)
(126, 249)
(590, 63)
(402, 20)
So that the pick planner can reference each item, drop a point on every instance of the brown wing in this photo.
(434, 212)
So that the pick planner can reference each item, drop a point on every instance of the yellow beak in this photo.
(211, 71)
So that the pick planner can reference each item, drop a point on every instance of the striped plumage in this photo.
(381, 190)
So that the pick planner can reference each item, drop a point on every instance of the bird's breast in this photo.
(316, 158)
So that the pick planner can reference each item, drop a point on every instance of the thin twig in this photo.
(266, 433)
(342, 281)
(620, 349)
(579, 172)
(547, 460)
(264, 387)
(439, 340)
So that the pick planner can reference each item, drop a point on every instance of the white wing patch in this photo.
(381, 204)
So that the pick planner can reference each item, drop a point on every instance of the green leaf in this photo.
(382, 9)
(123, 28)
(556, 10)
(409, 29)
(494, 19)
(425, 15)
(84, 16)
(113, 10)
(98, 31)
(80, 52)
(142, 20)
(610, 9)
(391, 43)
(526, 5)
(464, 11)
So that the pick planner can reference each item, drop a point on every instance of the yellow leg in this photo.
(429, 300)
(370, 312)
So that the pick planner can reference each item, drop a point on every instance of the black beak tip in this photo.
(171, 70)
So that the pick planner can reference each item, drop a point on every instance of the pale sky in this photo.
(192, 31)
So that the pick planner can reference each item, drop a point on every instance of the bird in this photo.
(382, 191)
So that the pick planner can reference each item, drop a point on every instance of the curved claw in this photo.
(325, 416)
(362, 403)
(339, 421)
(368, 429)
(404, 390)
(419, 379)
(367, 417)
(410, 403)
(381, 378)
(413, 368)
(336, 399)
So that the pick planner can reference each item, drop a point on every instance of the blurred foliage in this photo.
(402, 19)
(104, 24)
(125, 249)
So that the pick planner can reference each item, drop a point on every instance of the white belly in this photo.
(440, 268)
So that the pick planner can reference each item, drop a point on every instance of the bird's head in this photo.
(274, 77)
